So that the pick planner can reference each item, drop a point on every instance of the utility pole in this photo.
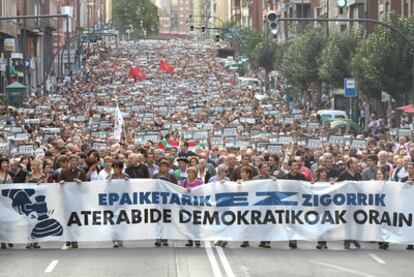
(327, 16)
(26, 79)
(67, 37)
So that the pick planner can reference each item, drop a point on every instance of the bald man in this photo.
(136, 167)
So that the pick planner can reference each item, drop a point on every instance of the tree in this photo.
(300, 62)
(335, 59)
(133, 12)
(263, 56)
(250, 39)
(384, 60)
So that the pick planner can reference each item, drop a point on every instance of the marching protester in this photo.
(181, 172)
(117, 174)
(203, 173)
(294, 174)
(220, 178)
(91, 169)
(245, 173)
(5, 178)
(72, 174)
(351, 174)
(164, 174)
(264, 174)
(136, 168)
(322, 176)
(191, 182)
(107, 170)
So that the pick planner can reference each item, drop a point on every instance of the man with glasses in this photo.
(221, 176)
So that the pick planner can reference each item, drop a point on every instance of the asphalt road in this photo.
(142, 259)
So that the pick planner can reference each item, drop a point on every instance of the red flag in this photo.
(132, 74)
(116, 68)
(166, 67)
(139, 74)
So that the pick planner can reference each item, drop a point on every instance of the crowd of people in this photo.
(193, 126)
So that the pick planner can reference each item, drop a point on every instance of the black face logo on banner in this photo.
(23, 205)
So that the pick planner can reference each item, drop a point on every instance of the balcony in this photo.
(9, 28)
(50, 7)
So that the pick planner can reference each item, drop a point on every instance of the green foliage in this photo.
(126, 12)
(264, 55)
(250, 39)
(300, 62)
(384, 60)
(335, 59)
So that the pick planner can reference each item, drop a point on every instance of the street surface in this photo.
(142, 259)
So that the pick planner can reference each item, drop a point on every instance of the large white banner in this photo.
(253, 211)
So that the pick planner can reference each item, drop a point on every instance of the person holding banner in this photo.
(382, 175)
(294, 174)
(164, 174)
(221, 178)
(91, 169)
(107, 170)
(72, 174)
(136, 168)
(245, 173)
(409, 180)
(36, 177)
(5, 178)
(181, 172)
(322, 176)
(221, 174)
(351, 174)
(203, 173)
(264, 174)
(191, 182)
(117, 174)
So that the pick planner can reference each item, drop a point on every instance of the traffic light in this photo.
(192, 28)
(217, 38)
(203, 29)
(272, 22)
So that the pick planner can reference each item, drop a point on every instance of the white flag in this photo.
(119, 121)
